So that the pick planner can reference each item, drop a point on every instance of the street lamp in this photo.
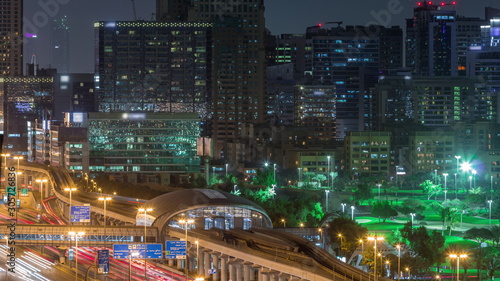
(186, 222)
(378, 185)
(70, 189)
(352, 212)
(375, 239)
(343, 206)
(474, 172)
(470, 182)
(300, 176)
(455, 256)
(409, 272)
(274, 172)
(76, 235)
(5, 155)
(458, 160)
(398, 246)
(445, 190)
(17, 158)
(412, 215)
(340, 238)
(491, 187)
(145, 220)
(328, 171)
(226, 169)
(41, 192)
(388, 264)
(489, 203)
(284, 222)
(456, 186)
(104, 199)
(326, 200)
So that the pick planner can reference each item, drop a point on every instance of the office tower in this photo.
(11, 32)
(153, 67)
(73, 92)
(238, 73)
(59, 52)
(351, 59)
(431, 40)
(468, 36)
(316, 109)
(26, 99)
(290, 48)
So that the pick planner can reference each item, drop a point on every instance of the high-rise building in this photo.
(351, 59)
(59, 52)
(238, 61)
(431, 40)
(468, 36)
(153, 67)
(11, 32)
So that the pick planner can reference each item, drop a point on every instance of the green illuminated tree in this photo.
(431, 189)
(383, 210)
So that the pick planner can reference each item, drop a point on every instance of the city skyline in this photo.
(82, 16)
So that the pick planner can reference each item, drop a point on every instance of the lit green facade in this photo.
(143, 143)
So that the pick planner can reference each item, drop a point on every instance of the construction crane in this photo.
(133, 7)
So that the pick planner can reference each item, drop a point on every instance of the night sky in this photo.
(297, 15)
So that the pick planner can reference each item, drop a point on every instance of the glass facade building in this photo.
(143, 143)
(153, 66)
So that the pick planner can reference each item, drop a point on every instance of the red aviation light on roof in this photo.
(419, 4)
(430, 2)
(320, 24)
(453, 2)
(443, 3)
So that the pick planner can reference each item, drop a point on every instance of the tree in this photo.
(431, 189)
(383, 210)
(424, 245)
(350, 230)
(362, 192)
(446, 213)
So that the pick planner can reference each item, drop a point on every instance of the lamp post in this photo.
(41, 192)
(455, 256)
(70, 189)
(284, 222)
(300, 176)
(4, 155)
(340, 238)
(343, 206)
(226, 169)
(409, 272)
(375, 239)
(458, 160)
(328, 171)
(326, 200)
(378, 185)
(145, 210)
(470, 182)
(412, 215)
(17, 158)
(352, 212)
(186, 222)
(76, 235)
(474, 172)
(445, 190)
(456, 186)
(491, 187)
(213, 172)
(104, 199)
(489, 203)
(274, 172)
(388, 264)
(398, 246)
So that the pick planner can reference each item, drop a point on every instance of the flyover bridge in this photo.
(226, 234)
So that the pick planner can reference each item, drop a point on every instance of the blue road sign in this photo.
(102, 261)
(175, 249)
(212, 271)
(122, 251)
(80, 214)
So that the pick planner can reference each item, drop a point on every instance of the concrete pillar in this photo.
(215, 258)
(283, 277)
(206, 264)
(239, 271)
(171, 262)
(223, 267)
(247, 270)
(232, 272)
